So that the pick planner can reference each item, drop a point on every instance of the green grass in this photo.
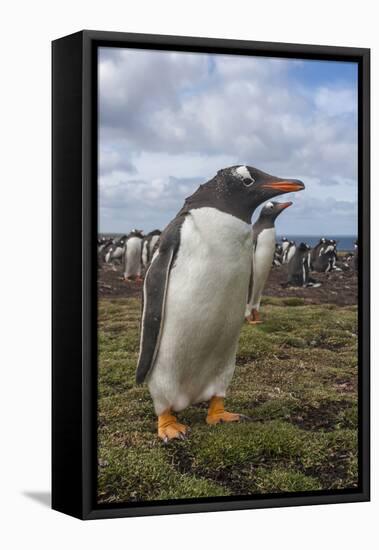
(296, 378)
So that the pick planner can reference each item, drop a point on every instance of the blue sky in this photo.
(170, 120)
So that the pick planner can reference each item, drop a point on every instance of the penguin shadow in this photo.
(41, 497)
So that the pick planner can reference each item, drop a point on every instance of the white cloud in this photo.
(169, 121)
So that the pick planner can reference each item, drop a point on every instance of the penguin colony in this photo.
(203, 275)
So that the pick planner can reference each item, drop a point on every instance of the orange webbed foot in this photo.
(253, 318)
(217, 413)
(169, 428)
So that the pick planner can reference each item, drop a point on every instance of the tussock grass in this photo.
(296, 378)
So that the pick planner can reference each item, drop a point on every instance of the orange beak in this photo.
(284, 186)
(284, 205)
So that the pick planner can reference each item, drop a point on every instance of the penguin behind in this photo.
(298, 268)
(262, 257)
(278, 255)
(149, 245)
(133, 256)
(117, 253)
(103, 249)
(315, 252)
(285, 243)
(195, 294)
(289, 252)
(326, 257)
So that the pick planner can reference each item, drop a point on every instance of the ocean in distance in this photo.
(344, 242)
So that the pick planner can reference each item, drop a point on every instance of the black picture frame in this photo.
(74, 205)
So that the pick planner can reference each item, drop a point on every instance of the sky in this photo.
(168, 121)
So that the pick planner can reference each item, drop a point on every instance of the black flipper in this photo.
(251, 280)
(154, 297)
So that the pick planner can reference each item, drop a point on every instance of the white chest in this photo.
(208, 284)
(205, 305)
(265, 245)
(133, 256)
(220, 237)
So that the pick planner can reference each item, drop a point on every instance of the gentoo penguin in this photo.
(298, 268)
(278, 255)
(102, 243)
(132, 255)
(195, 294)
(315, 252)
(325, 260)
(149, 245)
(263, 254)
(347, 262)
(116, 252)
(289, 252)
(285, 243)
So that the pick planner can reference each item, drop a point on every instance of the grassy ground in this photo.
(296, 377)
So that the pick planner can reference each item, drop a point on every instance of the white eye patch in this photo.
(243, 173)
(269, 205)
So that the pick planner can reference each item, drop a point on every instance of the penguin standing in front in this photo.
(263, 253)
(195, 294)
(133, 256)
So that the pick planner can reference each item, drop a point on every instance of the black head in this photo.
(136, 233)
(303, 247)
(272, 209)
(330, 245)
(238, 190)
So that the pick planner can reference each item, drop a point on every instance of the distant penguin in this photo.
(285, 243)
(278, 255)
(103, 247)
(101, 242)
(194, 296)
(149, 244)
(289, 252)
(105, 250)
(298, 268)
(118, 250)
(133, 256)
(347, 262)
(316, 250)
(325, 260)
(263, 254)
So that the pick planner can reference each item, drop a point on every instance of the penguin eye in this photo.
(248, 181)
